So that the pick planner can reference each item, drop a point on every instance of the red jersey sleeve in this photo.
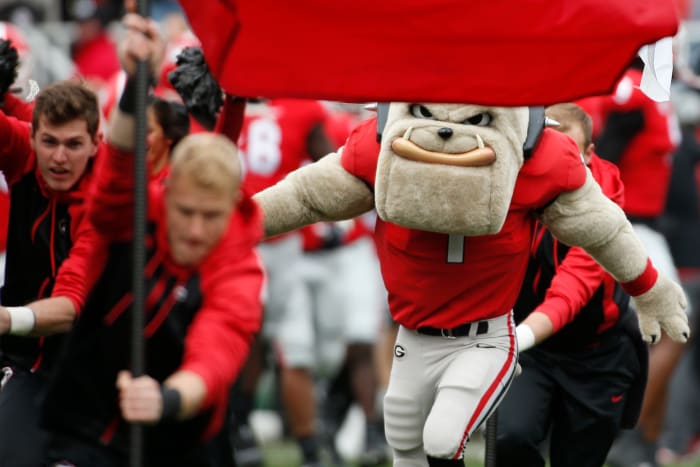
(230, 121)
(579, 276)
(79, 272)
(218, 340)
(361, 151)
(111, 202)
(18, 108)
(555, 167)
(576, 280)
(16, 155)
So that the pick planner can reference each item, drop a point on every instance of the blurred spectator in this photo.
(162, 8)
(21, 13)
(42, 58)
(111, 10)
(12, 33)
(93, 51)
(681, 224)
(278, 137)
(168, 122)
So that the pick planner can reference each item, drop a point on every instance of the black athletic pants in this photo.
(22, 442)
(577, 398)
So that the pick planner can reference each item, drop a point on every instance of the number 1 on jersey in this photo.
(455, 249)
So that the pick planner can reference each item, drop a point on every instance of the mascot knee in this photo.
(403, 423)
(440, 444)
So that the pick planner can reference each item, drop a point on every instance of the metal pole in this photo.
(490, 436)
(139, 249)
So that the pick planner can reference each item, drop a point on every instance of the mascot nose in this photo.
(445, 133)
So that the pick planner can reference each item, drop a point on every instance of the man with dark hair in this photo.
(47, 165)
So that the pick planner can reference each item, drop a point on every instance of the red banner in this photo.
(496, 52)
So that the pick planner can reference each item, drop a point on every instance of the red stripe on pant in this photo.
(508, 365)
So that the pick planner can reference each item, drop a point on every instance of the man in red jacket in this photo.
(203, 280)
(585, 376)
(47, 166)
(640, 136)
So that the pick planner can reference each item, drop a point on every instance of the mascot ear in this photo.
(535, 126)
(382, 114)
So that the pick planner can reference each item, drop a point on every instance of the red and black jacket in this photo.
(579, 297)
(43, 228)
(201, 320)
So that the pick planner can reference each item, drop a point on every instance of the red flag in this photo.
(495, 52)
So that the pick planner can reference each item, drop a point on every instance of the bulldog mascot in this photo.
(457, 188)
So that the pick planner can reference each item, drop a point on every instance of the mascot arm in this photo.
(587, 218)
(322, 191)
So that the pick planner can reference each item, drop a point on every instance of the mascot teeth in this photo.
(479, 141)
(407, 134)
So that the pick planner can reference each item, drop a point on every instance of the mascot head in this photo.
(451, 168)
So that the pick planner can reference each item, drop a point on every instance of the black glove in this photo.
(199, 90)
(9, 61)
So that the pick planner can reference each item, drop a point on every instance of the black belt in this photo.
(482, 327)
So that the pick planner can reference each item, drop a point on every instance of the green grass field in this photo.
(285, 454)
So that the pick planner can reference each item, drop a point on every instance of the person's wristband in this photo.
(525, 337)
(127, 101)
(171, 403)
(22, 320)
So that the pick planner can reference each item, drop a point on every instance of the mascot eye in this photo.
(420, 111)
(482, 119)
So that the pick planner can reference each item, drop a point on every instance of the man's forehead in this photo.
(77, 128)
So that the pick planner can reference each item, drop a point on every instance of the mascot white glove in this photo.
(662, 306)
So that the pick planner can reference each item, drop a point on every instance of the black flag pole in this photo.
(139, 250)
(491, 435)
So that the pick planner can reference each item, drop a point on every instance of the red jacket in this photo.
(46, 241)
(563, 281)
(199, 319)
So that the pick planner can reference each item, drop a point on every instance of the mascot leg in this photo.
(472, 385)
(471, 375)
(407, 401)
(411, 458)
